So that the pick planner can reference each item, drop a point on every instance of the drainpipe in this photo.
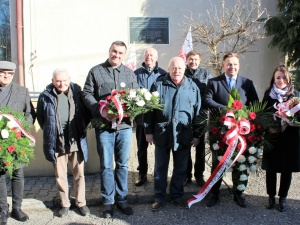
(20, 41)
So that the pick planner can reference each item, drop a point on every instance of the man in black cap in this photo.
(18, 99)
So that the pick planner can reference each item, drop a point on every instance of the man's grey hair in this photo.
(59, 71)
(175, 58)
(156, 53)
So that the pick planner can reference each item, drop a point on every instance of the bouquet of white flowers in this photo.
(128, 103)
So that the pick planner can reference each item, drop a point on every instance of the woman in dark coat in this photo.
(283, 155)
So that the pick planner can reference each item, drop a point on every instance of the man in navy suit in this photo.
(216, 96)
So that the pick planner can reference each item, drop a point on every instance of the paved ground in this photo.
(41, 202)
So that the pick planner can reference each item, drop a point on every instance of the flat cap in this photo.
(6, 65)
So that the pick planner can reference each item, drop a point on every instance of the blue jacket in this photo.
(145, 79)
(49, 122)
(173, 127)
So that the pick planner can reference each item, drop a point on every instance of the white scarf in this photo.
(279, 94)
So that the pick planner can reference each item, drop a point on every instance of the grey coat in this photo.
(19, 101)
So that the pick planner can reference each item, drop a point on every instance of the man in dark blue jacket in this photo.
(63, 120)
(200, 76)
(172, 129)
(146, 75)
(216, 96)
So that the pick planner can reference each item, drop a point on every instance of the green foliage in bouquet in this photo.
(15, 148)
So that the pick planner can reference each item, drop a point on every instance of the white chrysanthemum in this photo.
(143, 90)
(241, 159)
(252, 168)
(219, 157)
(11, 124)
(252, 150)
(241, 187)
(243, 177)
(122, 84)
(242, 167)
(216, 146)
(140, 103)
(251, 159)
(132, 93)
(4, 133)
(155, 93)
(147, 96)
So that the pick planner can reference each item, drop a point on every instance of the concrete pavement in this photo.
(41, 201)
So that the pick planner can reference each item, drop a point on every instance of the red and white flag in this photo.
(187, 45)
(130, 62)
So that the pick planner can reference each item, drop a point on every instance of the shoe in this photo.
(282, 204)
(108, 212)
(240, 200)
(84, 210)
(125, 208)
(187, 181)
(3, 217)
(213, 199)
(180, 203)
(156, 206)
(140, 181)
(200, 182)
(63, 212)
(19, 215)
(271, 202)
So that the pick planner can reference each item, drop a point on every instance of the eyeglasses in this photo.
(8, 73)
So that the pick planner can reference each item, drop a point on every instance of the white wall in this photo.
(76, 35)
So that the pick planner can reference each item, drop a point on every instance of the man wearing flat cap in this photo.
(17, 98)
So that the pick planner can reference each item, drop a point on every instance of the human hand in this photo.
(195, 142)
(149, 138)
(106, 115)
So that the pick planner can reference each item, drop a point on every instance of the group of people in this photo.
(64, 111)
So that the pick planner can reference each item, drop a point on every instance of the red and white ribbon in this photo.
(19, 126)
(115, 99)
(231, 138)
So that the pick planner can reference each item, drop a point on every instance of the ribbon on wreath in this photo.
(283, 109)
(19, 126)
(115, 99)
(231, 138)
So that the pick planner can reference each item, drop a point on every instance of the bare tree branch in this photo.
(227, 28)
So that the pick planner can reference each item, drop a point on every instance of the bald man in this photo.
(172, 130)
(146, 75)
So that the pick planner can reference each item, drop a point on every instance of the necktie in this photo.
(231, 83)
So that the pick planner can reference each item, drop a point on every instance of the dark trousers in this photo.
(199, 166)
(235, 176)
(271, 181)
(142, 146)
(17, 184)
(162, 159)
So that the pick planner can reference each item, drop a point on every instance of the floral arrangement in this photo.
(252, 135)
(16, 145)
(127, 103)
(289, 112)
(237, 134)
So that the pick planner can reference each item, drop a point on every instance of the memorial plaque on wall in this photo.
(149, 30)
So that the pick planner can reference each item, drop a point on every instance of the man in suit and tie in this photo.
(216, 96)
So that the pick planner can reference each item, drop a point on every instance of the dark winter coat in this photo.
(173, 127)
(48, 119)
(100, 82)
(284, 155)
